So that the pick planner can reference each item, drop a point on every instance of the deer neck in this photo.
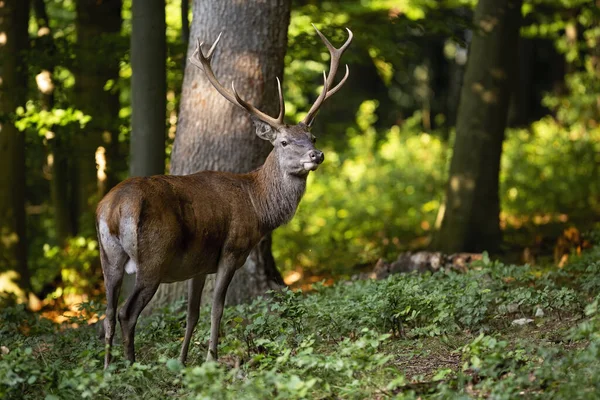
(276, 194)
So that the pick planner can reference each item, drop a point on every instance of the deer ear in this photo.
(264, 130)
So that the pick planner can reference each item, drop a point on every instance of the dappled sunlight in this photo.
(518, 221)
(44, 82)
(459, 183)
(8, 284)
(292, 277)
(70, 312)
(489, 96)
(100, 157)
(8, 238)
(488, 23)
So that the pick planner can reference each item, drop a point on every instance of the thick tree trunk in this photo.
(471, 220)
(98, 27)
(212, 133)
(14, 19)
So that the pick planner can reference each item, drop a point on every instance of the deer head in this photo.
(294, 145)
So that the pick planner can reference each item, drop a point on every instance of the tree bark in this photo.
(14, 20)
(471, 220)
(98, 27)
(148, 88)
(214, 134)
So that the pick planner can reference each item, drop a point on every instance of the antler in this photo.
(203, 62)
(336, 54)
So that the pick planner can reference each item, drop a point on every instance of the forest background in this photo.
(465, 126)
(389, 138)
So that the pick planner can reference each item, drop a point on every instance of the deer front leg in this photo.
(224, 276)
(195, 287)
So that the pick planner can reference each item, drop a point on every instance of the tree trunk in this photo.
(65, 222)
(471, 220)
(185, 22)
(148, 88)
(214, 134)
(14, 20)
(148, 94)
(98, 28)
(45, 43)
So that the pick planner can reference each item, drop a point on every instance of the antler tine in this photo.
(195, 58)
(312, 113)
(274, 122)
(203, 62)
(213, 47)
(339, 85)
(336, 54)
(281, 102)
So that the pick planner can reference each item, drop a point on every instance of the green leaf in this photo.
(174, 365)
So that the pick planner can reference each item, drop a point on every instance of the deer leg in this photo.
(224, 276)
(129, 313)
(113, 259)
(195, 287)
(113, 288)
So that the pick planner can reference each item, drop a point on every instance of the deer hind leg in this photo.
(130, 312)
(113, 259)
(195, 287)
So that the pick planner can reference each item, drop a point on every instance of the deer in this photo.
(168, 228)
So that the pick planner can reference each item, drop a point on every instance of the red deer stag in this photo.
(174, 228)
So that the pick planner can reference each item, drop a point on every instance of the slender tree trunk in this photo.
(98, 29)
(45, 42)
(148, 94)
(471, 220)
(214, 134)
(59, 161)
(185, 21)
(148, 88)
(14, 20)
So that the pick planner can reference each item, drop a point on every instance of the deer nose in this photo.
(317, 156)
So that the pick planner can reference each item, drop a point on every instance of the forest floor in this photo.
(497, 331)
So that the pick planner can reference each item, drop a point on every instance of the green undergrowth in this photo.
(441, 335)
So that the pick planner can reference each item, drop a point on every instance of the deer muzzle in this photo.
(316, 158)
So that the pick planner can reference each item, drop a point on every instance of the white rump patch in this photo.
(103, 228)
(110, 243)
(131, 267)
(114, 249)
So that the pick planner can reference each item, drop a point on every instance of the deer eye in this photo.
(284, 143)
